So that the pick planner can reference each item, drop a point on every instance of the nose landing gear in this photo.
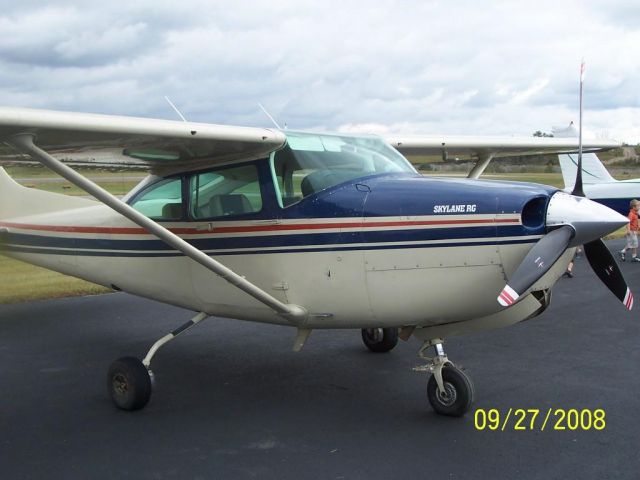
(449, 389)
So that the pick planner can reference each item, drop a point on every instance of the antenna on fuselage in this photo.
(270, 117)
(175, 108)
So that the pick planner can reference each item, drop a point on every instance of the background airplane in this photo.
(598, 184)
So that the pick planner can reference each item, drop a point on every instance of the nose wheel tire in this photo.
(380, 339)
(129, 383)
(458, 393)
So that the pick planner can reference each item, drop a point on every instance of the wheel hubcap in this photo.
(449, 396)
(120, 384)
(375, 334)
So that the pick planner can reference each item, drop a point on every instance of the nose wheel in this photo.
(457, 396)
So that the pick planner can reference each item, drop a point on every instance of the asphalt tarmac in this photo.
(233, 402)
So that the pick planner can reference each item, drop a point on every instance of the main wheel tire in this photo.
(380, 339)
(458, 396)
(129, 383)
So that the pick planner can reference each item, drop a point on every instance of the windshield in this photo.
(310, 163)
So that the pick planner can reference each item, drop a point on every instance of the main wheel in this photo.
(458, 392)
(380, 339)
(129, 383)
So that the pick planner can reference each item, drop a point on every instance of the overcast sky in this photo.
(455, 67)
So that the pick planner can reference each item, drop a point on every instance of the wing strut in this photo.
(480, 166)
(24, 142)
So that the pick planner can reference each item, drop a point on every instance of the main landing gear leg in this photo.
(130, 380)
(449, 389)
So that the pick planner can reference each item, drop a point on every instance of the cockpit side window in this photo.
(220, 192)
(224, 192)
(161, 201)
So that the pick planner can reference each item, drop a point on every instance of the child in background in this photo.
(632, 233)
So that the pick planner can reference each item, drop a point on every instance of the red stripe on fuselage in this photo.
(255, 228)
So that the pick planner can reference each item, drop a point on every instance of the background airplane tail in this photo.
(593, 171)
(19, 201)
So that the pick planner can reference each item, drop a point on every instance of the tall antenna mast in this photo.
(577, 189)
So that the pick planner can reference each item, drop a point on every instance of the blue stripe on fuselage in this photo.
(264, 241)
(336, 248)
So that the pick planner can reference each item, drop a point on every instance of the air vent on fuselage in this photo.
(534, 212)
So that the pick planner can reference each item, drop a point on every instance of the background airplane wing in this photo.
(107, 140)
(484, 149)
(476, 146)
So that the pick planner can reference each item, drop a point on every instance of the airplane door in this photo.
(228, 206)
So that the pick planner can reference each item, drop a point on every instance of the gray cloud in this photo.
(454, 67)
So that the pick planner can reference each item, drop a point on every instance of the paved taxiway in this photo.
(232, 401)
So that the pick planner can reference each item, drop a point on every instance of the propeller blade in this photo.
(537, 262)
(607, 270)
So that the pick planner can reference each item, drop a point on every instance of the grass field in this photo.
(117, 183)
(116, 188)
(22, 282)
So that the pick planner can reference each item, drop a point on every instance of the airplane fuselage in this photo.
(384, 250)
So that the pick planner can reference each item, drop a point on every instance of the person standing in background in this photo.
(632, 233)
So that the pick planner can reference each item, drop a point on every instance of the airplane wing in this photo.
(475, 146)
(117, 141)
(107, 140)
(484, 149)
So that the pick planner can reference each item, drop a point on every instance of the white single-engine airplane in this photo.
(598, 184)
(304, 230)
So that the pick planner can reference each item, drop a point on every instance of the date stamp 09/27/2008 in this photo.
(557, 419)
